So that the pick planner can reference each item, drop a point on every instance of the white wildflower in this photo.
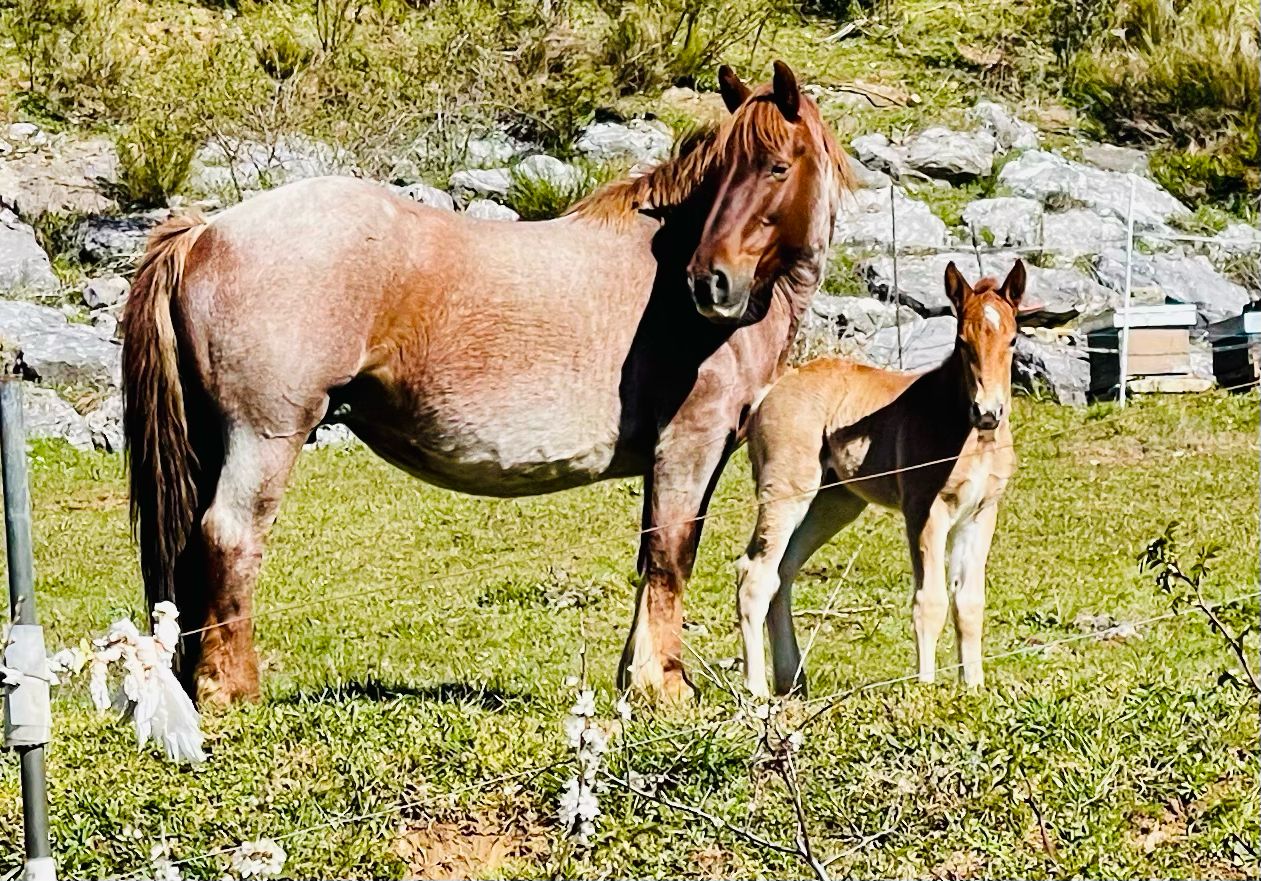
(762, 711)
(571, 681)
(795, 740)
(585, 705)
(163, 868)
(623, 708)
(68, 662)
(263, 858)
(594, 742)
(574, 726)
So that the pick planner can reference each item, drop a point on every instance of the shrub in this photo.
(154, 156)
(536, 197)
(1184, 73)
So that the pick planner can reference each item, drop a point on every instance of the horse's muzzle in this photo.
(716, 297)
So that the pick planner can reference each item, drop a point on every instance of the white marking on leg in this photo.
(757, 582)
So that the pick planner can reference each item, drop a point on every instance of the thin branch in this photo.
(716, 821)
(788, 772)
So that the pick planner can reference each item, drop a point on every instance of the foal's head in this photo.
(777, 173)
(987, 332)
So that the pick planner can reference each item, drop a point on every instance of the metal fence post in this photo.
(1125, 308)
(27, 719)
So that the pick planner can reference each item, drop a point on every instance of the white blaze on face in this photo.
(992, 316)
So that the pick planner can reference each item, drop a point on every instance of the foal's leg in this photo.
(832, 510)
(757, 579)
(233, 530)
(677, 495)
(927, 535)
(971, 549)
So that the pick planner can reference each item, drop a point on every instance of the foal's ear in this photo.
(957, 288)
(787, 95)
(1014, 285)
(733, 91)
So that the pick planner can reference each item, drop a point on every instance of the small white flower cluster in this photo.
(263, 858)
(163, 868)
(66, 662)
(579, 802)
(160, 709)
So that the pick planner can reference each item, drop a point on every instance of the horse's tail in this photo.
(161, 458)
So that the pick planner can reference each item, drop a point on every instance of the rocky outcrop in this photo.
(24, 267)
(56, 351)
(638, 141)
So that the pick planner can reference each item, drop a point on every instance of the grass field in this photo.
(434, 700)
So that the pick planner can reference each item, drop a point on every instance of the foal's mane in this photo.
(758, 125)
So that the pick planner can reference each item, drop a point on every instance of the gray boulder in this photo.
(107, 324)
(23, 264)
(106, 290)
(1112, 158)
(23, 131)
(866, 219)
(230, 164)
(427, 195)
(1052, 296)
(481, 182)
(494, 149)
(859, 315)
(639, 141)
(917, 345)
(549, 169)
(57, 351)
(875, 151)
(48, 416)
(867, 178)
(484, 209)
(334, 435)
(65, 175)
(950, 155)
(1182, 277)
(1063, 370)
(1009, 132)
(1040, 175)
(106, 425)
(1079, 232)
(1007, 221)
(115, 241)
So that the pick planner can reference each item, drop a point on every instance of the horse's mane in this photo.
(758, 126)
(987, 285)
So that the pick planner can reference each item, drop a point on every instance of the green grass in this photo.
(429, 685)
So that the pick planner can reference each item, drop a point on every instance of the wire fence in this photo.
(818, 707)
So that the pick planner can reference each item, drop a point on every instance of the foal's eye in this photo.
(779, 170)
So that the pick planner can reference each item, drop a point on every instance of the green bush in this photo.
(154, 156)
(1184, 74)
(539, 198)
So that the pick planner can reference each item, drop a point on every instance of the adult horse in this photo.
(628, 337)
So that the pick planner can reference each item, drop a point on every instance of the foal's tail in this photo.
(161, 457)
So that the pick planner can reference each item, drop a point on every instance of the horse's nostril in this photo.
(722, 284)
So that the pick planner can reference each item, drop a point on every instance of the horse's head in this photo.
(987, 333)
(776, 173)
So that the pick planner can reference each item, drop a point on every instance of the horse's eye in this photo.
(779, 170)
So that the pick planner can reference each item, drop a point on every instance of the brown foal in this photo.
(834, 420)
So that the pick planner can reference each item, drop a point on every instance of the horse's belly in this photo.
(505, 457)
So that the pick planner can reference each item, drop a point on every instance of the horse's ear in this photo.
(787, 95)
(1014, 285)
(733, 91)
(957, 288)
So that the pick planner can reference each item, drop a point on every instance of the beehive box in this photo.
(1236, 349)
(1159, 347)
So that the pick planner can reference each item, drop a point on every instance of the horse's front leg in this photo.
(676, 496)
(971, 549)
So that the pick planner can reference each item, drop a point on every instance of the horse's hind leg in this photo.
(233, 529)
(831, 511)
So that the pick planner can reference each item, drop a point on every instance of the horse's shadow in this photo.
(475, 694)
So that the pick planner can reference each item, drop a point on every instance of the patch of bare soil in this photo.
(472, 846)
